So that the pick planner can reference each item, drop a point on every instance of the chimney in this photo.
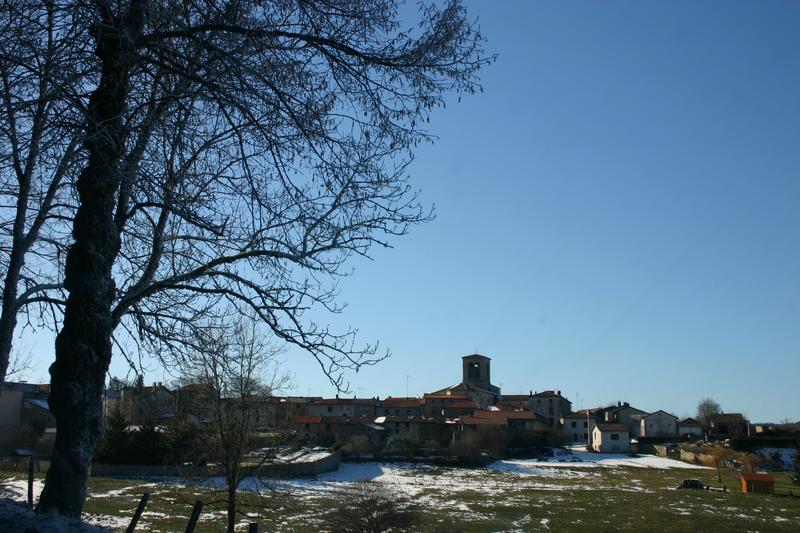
(558, 392)
(337, 395)
(530, 393)
(619, 404)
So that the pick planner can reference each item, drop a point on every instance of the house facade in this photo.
(658, 424)
(689, 427)
(577, 427)
(724, 425)
(611, 438)
(349, 407)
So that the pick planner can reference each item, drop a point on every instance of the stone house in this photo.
(347, 407)
(577, 427)
(551, 405)
(624, 413)
(393, 406)
(139, 403)
(330, 430)
(12, 401)
(658, 424)
(689, 427)
(435, 404)
(611, 438)
(724, 425)
(458, 409)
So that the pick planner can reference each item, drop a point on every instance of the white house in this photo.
(611, 438)
(577, 427)
(690, 427)
(658, 424)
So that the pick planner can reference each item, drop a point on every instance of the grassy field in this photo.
(471, 500)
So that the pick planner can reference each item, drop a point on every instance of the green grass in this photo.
(611, 499)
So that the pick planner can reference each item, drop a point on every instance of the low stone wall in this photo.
(328, 463)
(705, 459)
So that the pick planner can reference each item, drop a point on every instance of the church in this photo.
(476, 383)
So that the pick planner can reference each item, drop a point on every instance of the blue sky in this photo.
(618, 215)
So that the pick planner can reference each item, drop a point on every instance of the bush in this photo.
(368, 507)
(398, 444)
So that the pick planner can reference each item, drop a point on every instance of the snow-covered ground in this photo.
(17, 490)
(786, 456)
(568, 470)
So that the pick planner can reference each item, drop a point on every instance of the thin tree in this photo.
(238, 371)
(705, 409)
(236, 153)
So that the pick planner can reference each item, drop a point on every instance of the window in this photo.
(585, 436)
(474, 371)
(615, 436)
(550, 410)
(308, 426)
(408, 412)
(327, 427)
(397, 412)
(330, 408)
(585, 424)
(408, 425)
(575, 437)
(573, 424)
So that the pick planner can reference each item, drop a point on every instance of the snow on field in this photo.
(569, 471)
(578, 457)
(785, 455)
(17, 489)
(15, 516)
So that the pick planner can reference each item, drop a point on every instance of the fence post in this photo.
(138, 512)
(198, 507)
(30, 481)
(253, 528)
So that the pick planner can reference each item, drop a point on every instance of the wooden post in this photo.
(198, 507)
(30, 481)
(138, 512)
(253, 528)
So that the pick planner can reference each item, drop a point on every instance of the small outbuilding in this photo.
(757, 482)
(611, 438)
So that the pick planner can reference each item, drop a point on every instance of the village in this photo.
(473, 416)
(427, 454)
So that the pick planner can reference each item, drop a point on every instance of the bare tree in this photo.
(238, 371)
(235, 153)
(41, 71)
(369, 507)
(705, 408)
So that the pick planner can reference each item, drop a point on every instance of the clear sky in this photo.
(618, 215)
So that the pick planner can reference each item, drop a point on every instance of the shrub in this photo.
(368, 507)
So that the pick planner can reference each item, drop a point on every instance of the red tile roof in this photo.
(757, 476)
(547, 394)
(453, 397)
(474, 421)
(402, 402)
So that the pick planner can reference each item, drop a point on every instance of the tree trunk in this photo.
(83, 346)
(231, 507)
(8, 315)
